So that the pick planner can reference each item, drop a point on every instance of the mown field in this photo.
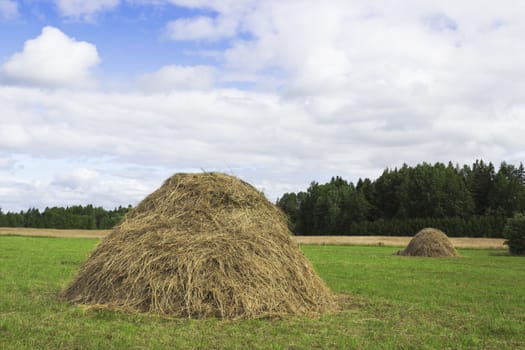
(476, 301)
(398, 241)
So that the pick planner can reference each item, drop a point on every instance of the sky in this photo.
(102, 100)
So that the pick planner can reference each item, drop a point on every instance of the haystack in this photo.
(429, 242)
(202, 245)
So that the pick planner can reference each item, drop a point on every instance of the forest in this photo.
(75, 217)
(471, 201)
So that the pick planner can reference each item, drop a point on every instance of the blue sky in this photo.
(131, 39)
(101, 100)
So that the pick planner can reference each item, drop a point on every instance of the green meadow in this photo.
(476, 301)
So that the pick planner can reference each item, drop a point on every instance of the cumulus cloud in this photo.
(80, 178)
(441, 22)
(52, 59)
(221, 6)
(226, 23)
(75, 186)
(201, 27)
(8, 9)
(6, 162)
(155, 127)
(84, 9)
(175, 77)
(259, 136)
(358, 45)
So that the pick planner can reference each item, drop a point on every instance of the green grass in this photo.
(476, 301)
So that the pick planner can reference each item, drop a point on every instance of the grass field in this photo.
(476, 301)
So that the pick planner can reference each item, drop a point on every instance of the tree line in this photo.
(471, 200)
(74, 217)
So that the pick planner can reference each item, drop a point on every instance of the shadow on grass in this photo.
(500, 254)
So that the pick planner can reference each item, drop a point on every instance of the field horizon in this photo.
(394, 241)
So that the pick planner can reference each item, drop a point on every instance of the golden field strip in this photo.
(458, 242)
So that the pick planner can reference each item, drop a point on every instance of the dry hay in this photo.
(202, 245)
(429, 242)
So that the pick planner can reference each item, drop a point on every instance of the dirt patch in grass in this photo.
(458, 242)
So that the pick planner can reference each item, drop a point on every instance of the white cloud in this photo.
(8, 9)
(6, 162)
(84, 9)
(52, 59)
(79, 178)
(258, 136)
(14, 134)
(72, 187)
(358, 43)
(226, 23)
(201, 28)
(216, 5)
(174, 77)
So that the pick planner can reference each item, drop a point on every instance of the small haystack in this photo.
(429, 242)
(202, 245)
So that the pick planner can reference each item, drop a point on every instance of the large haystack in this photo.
(202, 245)
(429, 242)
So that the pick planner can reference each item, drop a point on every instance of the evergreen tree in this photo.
(480, 183)
(507, 196)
